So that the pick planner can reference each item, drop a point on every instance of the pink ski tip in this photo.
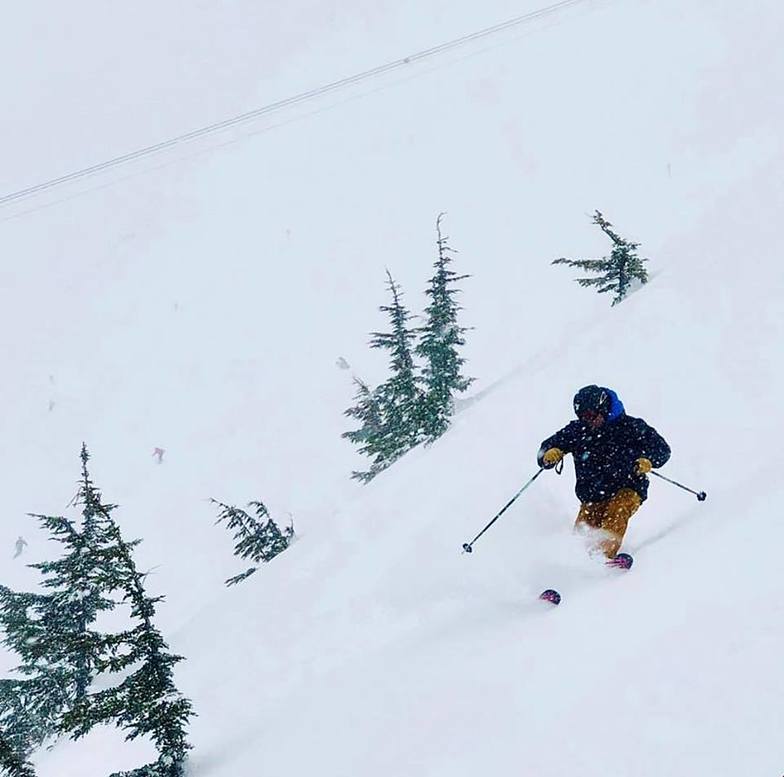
(621, 561)
(551, 596)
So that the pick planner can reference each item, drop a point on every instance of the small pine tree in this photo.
(399, 397)
(81, 586)
(618, 271)
(257, 537)
(52, 632)
(367, 411)
(12, 763)
(146, 702)
(440, 338)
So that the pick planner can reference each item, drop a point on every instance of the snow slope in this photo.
(200, 306)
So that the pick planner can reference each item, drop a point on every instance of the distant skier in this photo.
(612, 452)
(21, 544)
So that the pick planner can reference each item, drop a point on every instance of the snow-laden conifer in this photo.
(617, 272)
(400, 395)
(256, 537)
(53, 632)
(146, 702)
(398, 400)
(440, 338)
(367, 412)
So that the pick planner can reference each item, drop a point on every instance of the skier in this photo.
(612, 452)
(21, 544)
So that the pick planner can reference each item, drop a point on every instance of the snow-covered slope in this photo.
(201, 306)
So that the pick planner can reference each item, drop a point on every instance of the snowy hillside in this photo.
(198, 301)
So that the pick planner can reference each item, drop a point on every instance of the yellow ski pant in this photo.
(611, 517)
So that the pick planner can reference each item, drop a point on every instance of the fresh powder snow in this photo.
(215, 300)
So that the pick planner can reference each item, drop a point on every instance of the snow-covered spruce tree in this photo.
(53, 632)
(256, 537)
(12, 763)
(399, 397)
(617, 272)
(440, 338)
(146, 702)
(81, 586)
(367, 411)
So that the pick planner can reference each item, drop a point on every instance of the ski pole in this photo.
(467, 546)
(701, 495)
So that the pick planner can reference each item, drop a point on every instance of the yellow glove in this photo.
(643, 466)
(551, 457)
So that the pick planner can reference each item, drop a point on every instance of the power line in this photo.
(285, 103)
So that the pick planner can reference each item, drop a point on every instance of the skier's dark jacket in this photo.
(604, 458)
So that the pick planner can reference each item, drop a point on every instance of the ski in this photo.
(622, 561)
(551, 595)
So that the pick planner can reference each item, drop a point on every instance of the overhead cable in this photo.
(285, 103)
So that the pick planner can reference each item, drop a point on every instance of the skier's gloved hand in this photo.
(642, 466)
(551, 457)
